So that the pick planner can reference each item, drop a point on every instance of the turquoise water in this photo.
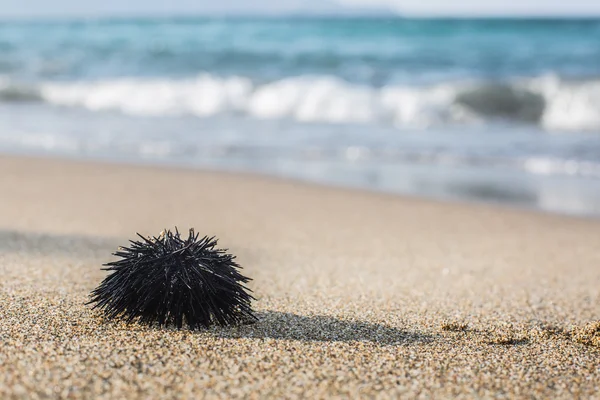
(501, 110)
(366, 51)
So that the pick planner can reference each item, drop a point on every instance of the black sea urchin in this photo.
(167, 279)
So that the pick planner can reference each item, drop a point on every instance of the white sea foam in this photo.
(550, 102)
(569, 106)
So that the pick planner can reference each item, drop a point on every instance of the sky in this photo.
(69, 8)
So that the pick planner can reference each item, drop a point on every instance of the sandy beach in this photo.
(359, 295)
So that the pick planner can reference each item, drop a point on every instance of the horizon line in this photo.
(376, 13)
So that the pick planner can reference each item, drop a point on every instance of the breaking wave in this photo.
(550, 102)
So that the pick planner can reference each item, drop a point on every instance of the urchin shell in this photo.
(169, 280)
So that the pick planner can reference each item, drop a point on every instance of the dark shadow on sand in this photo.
(321, 328)
(55, 244)
(82, 246)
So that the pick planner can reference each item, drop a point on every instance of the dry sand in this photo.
(359, 294)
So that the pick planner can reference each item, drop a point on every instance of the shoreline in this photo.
(281, 178)
(359, 294)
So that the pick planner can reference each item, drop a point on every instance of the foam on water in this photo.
(569, 106)
(551, 103)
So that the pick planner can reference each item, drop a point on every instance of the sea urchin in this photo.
(167, 280)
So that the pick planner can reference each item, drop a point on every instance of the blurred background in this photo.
(465, 100)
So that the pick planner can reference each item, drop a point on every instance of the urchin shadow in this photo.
(321, 328)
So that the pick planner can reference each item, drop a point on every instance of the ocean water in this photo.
(486, 110)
